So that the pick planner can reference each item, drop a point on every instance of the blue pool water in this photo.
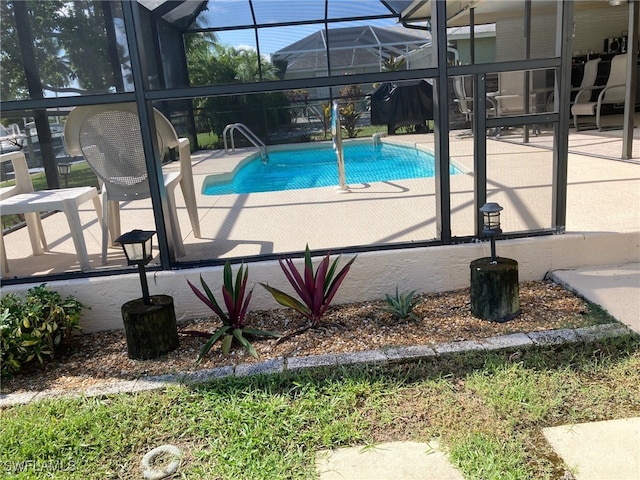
(317, 167)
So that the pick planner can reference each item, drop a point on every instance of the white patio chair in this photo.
(509, 98)
(465, 103)
(612, 93)
(22, 199)
(109, 138)
(589, 75)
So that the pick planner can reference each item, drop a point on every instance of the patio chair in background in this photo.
(465, 103)
(509, 98)
(22, 199)
(108, 136)
(589, 76)
(612, 93)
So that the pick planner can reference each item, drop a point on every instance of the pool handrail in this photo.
(249, 135)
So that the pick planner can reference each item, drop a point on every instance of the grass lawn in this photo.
(488, 410)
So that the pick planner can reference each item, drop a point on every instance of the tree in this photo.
(210, 63)
(391, 64)
(71, 48)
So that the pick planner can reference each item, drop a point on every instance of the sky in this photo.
(226, 13)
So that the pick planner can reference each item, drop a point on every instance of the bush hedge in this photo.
(33, 327)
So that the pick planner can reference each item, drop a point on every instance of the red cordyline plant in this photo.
(316, 290)
(233, 321)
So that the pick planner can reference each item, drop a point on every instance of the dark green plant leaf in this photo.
(226, 344)
(214, 338)
(237, 333)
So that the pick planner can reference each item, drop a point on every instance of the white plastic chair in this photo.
(510, 96)
(465, 102)
(22, 199)
(613, 93)
(109, 138)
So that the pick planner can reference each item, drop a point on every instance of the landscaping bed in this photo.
(91, 359)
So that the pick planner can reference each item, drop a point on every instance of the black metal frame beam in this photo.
(144, 97)
(441, 116)
(561, 105)
(133, 25)
(291, 24)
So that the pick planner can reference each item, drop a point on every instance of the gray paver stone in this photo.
(553, 337)
(514, 340)
(157, 382)
(314, 361)
(6, 400)
(456, 347)
(405, 353)
(110, 388)
(270, 366)
(610, 330)
(55, 393)
(204, 376)
(367, 356)
(596, 332)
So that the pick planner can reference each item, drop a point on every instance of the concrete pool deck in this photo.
(603, 196)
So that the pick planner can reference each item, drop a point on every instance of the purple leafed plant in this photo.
(315, 290)
(236, 304)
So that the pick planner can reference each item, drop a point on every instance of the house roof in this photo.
(350, 46)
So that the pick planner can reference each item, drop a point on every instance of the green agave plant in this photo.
(236, 302)
(401, 305)
(316, 290)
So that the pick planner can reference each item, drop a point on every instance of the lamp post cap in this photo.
(135, 236)
(491, 207)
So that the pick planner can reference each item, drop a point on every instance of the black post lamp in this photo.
(64, 170)
(491, 228)
(494, 280)
(137, 246)
(149, 322)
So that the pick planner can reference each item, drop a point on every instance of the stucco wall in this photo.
(432, 269)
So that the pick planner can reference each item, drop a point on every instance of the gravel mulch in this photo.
(88, 360)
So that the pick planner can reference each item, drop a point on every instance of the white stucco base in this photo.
(373, 274)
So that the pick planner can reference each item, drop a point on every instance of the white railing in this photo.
(249, 135)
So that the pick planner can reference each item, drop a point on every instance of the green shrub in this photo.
(33, 327)
(401, 304)
(349, 118)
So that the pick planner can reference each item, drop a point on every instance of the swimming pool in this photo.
(317, 167)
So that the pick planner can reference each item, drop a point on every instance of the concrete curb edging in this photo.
(383, 356)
